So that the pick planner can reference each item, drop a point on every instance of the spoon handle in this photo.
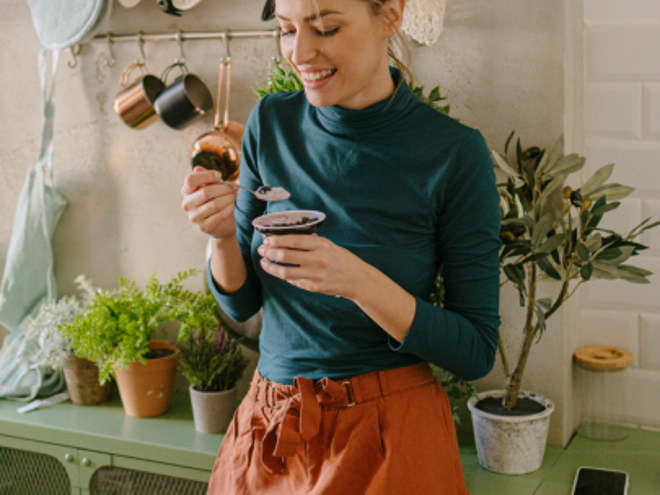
(238, 186)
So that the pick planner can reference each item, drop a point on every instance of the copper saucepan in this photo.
(220, 148)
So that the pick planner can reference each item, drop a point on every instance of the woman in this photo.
(343, 401)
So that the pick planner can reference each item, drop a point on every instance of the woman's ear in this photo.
(393, 13)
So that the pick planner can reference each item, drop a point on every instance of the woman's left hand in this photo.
(323, 266)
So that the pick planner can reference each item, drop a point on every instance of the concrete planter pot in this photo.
(213, 411)
(510, 444)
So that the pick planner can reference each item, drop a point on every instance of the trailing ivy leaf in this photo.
(586, 271)
(596, 180)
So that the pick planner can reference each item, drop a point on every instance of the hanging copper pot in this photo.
(220, 148)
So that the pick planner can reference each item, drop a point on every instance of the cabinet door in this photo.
(130, 476)
(28, 467)
(89, 463)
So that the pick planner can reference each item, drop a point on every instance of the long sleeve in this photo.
(462, 336)
(247, 300)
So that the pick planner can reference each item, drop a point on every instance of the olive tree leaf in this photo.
(544, 303)
(541, 229)
(515, 273)
(624, 252)
(567, 165)
(629, 274)
(557, 182)
(606, 207)
(636, 270)
(612, 191)
(583, 252)
(596, 180)
(549, 268)
(605, 271)
(552, 243)
(594, 242)
(505, 167)
(549, 159)
(586, 271)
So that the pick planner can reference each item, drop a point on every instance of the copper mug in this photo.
(220, 148)
(135, 103)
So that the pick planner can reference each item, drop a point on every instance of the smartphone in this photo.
(597, 481)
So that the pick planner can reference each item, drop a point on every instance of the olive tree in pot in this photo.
(549, 232)
(116, 332)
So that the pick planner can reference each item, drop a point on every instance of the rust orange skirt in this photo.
(385, 432)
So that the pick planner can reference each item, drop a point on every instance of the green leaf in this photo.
(612, 191)
(596, 180)
(605, 271)
(594, 242)
(625, 253)
(541, 229)
(547, 267)
(545, 303)
(595, 220)
(567, 165)
(635, 269)
(586, 271)
(605, 208)
(549, 159)
(630, 275)
(552, 243)
(583, 252)
(556, 183)
(609, 254)
(515, 273)
(508, 140)
(505, 167)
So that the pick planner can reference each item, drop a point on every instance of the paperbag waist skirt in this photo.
(381, 433)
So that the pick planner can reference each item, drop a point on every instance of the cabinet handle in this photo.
(68, 457)
(86, 462)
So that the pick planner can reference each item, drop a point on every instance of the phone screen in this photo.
(592, 481)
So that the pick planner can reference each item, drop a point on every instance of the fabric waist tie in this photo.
(298, 407)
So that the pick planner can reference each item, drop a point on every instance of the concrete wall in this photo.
(499, 62)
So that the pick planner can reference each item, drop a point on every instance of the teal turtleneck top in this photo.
(405, 188)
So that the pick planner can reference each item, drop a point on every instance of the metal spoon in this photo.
(264, 193)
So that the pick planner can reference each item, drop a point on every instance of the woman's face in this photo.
(338, 48)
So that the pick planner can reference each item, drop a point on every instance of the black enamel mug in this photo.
(184, 101)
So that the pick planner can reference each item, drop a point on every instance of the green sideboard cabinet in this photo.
(99, 450)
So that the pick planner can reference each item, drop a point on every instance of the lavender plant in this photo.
(210, 359)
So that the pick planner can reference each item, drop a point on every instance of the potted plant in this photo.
(51, 349)
(549, 232)
(213, 363)
(116, 332)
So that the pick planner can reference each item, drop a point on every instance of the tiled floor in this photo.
(638, 455)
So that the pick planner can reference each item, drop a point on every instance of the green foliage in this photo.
(210, 359)
(551, 232)
(280, 80)
(433, 99)
(116, 327)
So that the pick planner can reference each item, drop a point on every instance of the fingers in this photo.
(219, 194)
(198, 178)
(303, 242)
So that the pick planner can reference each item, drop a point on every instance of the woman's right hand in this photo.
(209, 203)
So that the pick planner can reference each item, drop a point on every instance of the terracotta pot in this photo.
(146, 390)
(213, 411)
(82, 380)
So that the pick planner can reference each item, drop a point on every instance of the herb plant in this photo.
(117, 326)
(210, 359)
(50, 348)
(551, 232)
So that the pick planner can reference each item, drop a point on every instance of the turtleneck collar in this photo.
(370, 119)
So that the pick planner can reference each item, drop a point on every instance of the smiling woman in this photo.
(343, 399)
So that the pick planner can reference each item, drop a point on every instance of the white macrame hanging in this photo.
(423, 20)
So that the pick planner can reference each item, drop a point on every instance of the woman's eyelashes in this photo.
(319, 32)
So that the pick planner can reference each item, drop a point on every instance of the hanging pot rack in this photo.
(179, 36)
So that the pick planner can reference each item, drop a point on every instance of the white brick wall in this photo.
(621, 124)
